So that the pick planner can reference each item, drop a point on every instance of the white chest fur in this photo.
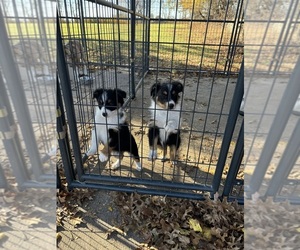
(103, 124)
(168, 121)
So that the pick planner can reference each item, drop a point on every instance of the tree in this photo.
(194, 7)
(203, 9)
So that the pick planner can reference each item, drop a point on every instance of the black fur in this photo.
(153, 132)
(121, 140)
(173, 139)
(115, 98)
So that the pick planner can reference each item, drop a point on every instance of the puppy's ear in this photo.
(154, 89)
(97, 93)
(179, 86)
(121, 93)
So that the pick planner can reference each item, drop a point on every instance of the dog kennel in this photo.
(131, 45)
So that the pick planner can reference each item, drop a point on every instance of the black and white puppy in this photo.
(112, 128)
(164, 131)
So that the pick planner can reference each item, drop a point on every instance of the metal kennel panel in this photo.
(112, 37)
(273, 141)
(211, 124)
(272, 46)
(272, 101)
(186, 35)
(27, 95)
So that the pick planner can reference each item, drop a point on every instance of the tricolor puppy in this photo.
(112, 128)
(164, 131)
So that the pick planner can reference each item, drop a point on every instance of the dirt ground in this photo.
(205, 108)
(202, 128)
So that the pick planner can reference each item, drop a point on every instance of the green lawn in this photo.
(170, 44)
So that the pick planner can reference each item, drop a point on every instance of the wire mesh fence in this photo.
(131, 48)
(272, 43)
(27, 92)
(272, 122)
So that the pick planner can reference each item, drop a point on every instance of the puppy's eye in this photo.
(165, 93)
(109, 101)
(173, 92)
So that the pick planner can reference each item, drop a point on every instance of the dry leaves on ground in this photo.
(271, 225)
(69, 205)
(169, 223)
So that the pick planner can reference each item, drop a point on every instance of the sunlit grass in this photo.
(171, 44)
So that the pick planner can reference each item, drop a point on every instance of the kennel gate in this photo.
(120, 51)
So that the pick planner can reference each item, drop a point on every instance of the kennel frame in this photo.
(74, 171)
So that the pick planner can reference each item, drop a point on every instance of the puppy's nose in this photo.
(171, 106)
(104, 114)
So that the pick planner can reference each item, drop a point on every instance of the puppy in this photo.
(164, 131)
(112, 129)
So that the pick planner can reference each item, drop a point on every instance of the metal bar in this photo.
(63, 141)
(235, 31)
(14, 85)
(3, 182)
(231, 121)
(12, 145)
(239, 200)
(171, 193)
(82, 29)
(283, 36)
(58, 180)
(68, 99)
(116, 7)
(132, 50)
(166, 184)
(286, 164)
(235, 163)
(33, 184)
(285, 108)
(292, 201)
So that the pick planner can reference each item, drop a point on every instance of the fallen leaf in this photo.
(30, 221)
(3, 238)
(58, 237)
(75, 221)
(194, 224)
(207, 233)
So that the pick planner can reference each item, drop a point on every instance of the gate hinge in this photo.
(3, 112)
(62, 134)
(7, 135)
(58, 112)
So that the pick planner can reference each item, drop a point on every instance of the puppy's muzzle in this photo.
(171, 106)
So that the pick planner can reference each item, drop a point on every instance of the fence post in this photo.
(235, 163)
(68, 99)
(63, 140)
(231, 121)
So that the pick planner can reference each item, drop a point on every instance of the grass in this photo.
(178, 45)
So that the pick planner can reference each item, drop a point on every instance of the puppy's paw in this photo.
(174, 163)
(116, 165)
(138, 166)
(102, 157)
(152, 155)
